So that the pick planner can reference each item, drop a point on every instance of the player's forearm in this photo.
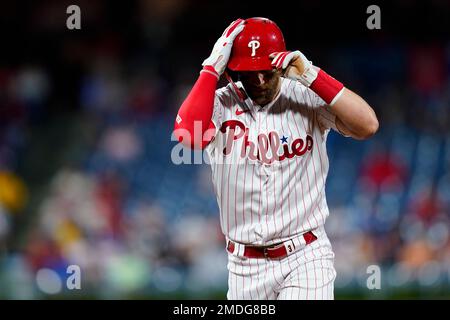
(354, 115)
(193, 125)
(194, 116)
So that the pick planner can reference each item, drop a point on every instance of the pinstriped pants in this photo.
(306, 274)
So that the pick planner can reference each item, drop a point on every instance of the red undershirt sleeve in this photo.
(193, 126)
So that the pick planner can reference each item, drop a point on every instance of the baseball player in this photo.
(265, 135)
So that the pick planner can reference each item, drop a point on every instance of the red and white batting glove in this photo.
(218, 60)
(296, 66)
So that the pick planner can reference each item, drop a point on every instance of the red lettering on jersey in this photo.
(232, 125)
(267, 147)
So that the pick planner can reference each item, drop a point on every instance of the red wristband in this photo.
(326, 86)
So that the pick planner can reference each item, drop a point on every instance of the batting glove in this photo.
(295, 66)
(222, 49)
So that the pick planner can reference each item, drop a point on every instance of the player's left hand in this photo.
(295, 66)
(222, 48)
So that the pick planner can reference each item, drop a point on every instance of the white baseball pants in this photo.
(306, 274)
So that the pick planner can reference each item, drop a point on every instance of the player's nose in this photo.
(257, 79)
(261, 79)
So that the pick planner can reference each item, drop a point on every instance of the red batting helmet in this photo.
(252, 47)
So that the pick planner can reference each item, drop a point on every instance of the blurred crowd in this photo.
(23, 92)
(138, 225)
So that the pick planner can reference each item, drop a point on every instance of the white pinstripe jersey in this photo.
(269, 164)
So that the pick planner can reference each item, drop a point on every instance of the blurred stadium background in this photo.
(85, 170)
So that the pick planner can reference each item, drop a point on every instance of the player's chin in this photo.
(262, 97)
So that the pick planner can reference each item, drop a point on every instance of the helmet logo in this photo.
(254, 44)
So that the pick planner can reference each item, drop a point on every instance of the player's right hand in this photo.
(222, 49)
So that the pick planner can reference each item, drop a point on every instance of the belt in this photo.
(276, 251)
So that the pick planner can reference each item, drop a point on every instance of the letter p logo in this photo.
(254, 44)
